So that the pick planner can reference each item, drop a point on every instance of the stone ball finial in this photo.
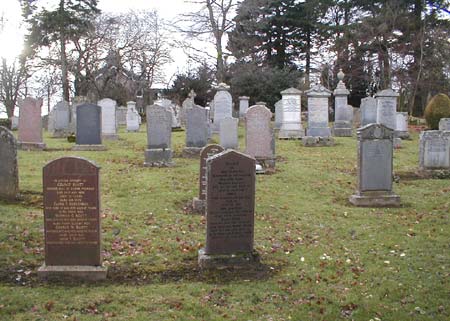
(340, 75)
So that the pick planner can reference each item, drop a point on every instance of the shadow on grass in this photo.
(185, 271)
(27, 199)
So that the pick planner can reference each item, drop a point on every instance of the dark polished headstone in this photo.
(9, 174)
(72, 220)
(159, 136)
(196, 130)
(230, 210)
(89, 127)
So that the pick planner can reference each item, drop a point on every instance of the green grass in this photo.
(321, 258)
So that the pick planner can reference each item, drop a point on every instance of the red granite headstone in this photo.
(71, 212)
(30, 124)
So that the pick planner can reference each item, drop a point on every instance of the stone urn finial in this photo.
(340, 75)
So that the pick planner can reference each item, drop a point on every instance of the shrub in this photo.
(437, 108)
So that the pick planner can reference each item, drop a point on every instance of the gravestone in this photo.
(368, 111)
(59, 120)
(434, 151)
(76, 101)
(196, 131)
(121, 116)
(159, 136)
(230, 211)
(30, 124)
(259, 137)
(375, 154)
(89, 128)
(228, 133)
(109, 118)
(223, 106)
(132, 117)
(14, 123)
(291, 119)
(188, 103)
(45, 122)
(198, 203)
(387, 108)
(9, 173)
(356, 117)
(401, 127)
(318, 97)
(444, 124)
(278, 114)
(243, 105)
(72, 223)
(342, 115)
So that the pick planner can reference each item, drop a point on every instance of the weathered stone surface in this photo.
(159, 136)
(342, 114)
(375, 167)
(291, 119)
(356, 117)
(89, 130)
(318, 125)
(401, 128)
(14, 122)
(243, 105)
(230, 208)
(30, 124)
(109, 118)
(189, 102)
(223, 106)
(368, 111)
(387, 108)
(228, 133)
(9, 173)
(59, 119)
(434, 150)
(72, 219)
(444, 124)
(198, 203)
(311, 141)
(121, 116)
(196, 127)
(278, 114)
(132, 117)
(259, 134)
(76, 101)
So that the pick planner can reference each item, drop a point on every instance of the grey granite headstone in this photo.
(434, 151)
(356, 117)
(444, 124)
(121, 116)
(387, 108)
(188, 103)
(401, 127)
(318, 125)
(159, 136)
(230, 211)
(132, 117)
(278, 114)
(375, 167)
(59, 119)
(228, 133)
(109, 118)
(196, 130)
(89, 128)
(223, 106)
(76, 101)
(9, 173)
(14, 122)
(342, 115)
(243, 105)
(368, 111)
(291, 119)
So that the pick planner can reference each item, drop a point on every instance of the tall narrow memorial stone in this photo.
(223, 106)
(318, 97)
(278, 114)
(401, 127)
(89, 128)
(375, 154)
(368, 111)
(259, 136)
(198, 203)
(72, 225)
(230, 211)
(132, 117)
(59, 119)
(109, 118)
(188, 103)
(121, 116)
(291, 120)
(228, 133)
(243, 105)
(9, 174)
(159, 136)
(342, 115)
(30, 124)
(196, 131)
(76, 101)
(434, 151)
(387, 108)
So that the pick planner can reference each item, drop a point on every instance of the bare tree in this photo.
(13, 77)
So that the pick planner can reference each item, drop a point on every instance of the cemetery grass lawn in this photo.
(321, 258)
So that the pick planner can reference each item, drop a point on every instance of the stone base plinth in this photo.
(310, 141)
(192, 152)
(30, 146)
(291, 133)
(89, 148)
(110, 136)
(72, 272)
(319, 132)
(221, 261)
(198, 205)
(402, 134)
(375, 199)
(442, 173)
(342, 132)
(158, 157)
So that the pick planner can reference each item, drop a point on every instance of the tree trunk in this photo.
(64, 72)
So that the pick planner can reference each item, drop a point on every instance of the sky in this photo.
(13, 30)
